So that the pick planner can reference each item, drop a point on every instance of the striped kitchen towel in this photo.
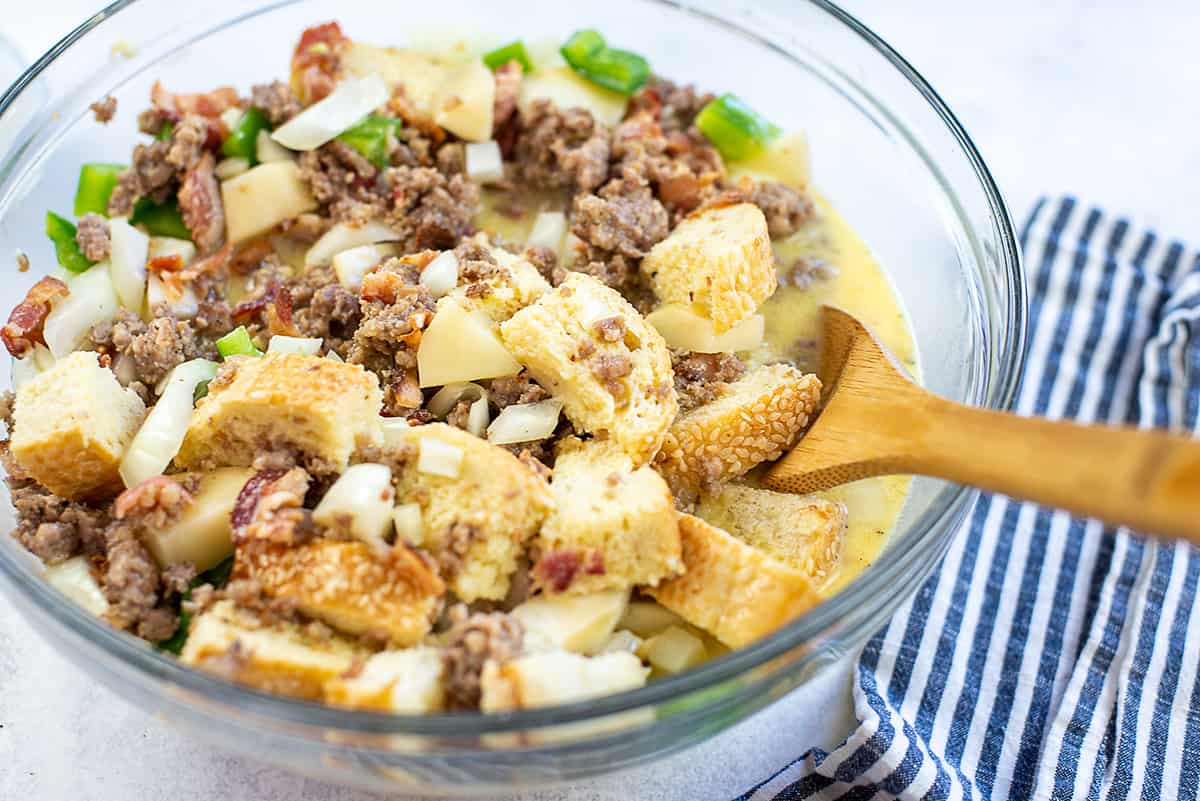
(1050, 657)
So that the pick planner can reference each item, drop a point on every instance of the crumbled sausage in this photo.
(323, 308)
(472, 641)
(508, 89)
(91, 234)
(520, 388)
(702, 377)
(53, 528)
(624, 218)
(559, 148)
(546, 262)
(200, 204)
(187, 142)
(276, 100)
(104, 110)
(806, 271)
(333, 175)
(609, 329)
(152, 349)
(786, 209)
(434, 211)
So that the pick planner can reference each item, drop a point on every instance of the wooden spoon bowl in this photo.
(875, 421)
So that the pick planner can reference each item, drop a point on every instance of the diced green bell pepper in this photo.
(243, 139)
(164, 133)
(96, 183)
(160, 219)
(736, 130)
(237, 343)
(62, 233)
(370, 137)
(619, 70)
(513, 51)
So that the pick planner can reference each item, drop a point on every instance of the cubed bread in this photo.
(729, 588)
(391, 594)
(408, 682)
(718, 261)
(276, 658)
(511, 287)
(803, 531)
(759, 417)
(319, 409)
(591, 349)
(613, 526)
(71, 426)
(477, 521)
(557, 677)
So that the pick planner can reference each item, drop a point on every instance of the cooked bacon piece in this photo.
(24, 328)
(209, 105)
(403, 108)
(249, 257)
(508, 89)
(154, 501)
(275, 307)
(200, 205)
(315, 61)
(165, 264)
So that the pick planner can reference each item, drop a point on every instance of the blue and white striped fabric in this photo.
(1050, 657)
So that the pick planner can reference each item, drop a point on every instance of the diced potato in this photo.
(464, 100)
(74, 579)
(567, 90)
(682, 328)
(458, 346)
(579, 623)
(554, 677)
(647, 618)
(674, 650)
(202, 533)
(71, 426)
(622, 640)
(343, 237)
(259, 199)
(278, 659)
(718, 262)
(408, 682)
(359, 503)
(420, 74)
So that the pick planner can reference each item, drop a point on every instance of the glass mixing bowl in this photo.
(886, 150)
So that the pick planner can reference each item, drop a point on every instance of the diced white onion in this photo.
(127, 256)
(410, 528)
(333, 357)
(23, 371)
(440, 275)
(268, 150)
(448, 396)
(525, 422)
(343, 237)
(362, 496)
(170, 246)
(477, 418)
(92, 300)
(484, 162)
(183, 304)
(231, 116)
(549, 228)
(74, 579)
(351, 265)
(124, 367)
(349, 102)
(162, 432)
(309, 346)
(439, 458)
(393, 431)
(684, 329)
(231, 167)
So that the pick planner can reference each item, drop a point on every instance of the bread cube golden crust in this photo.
(320, 409)
(351, 586)
(718, 262)
(278, 658)
(616, 382)
(477, 523)
(732, 590)
(512, 287)
(612, 526)
(761, 415)
(803, 531)
(71, 425)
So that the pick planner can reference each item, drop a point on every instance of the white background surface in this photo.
(1093, 98)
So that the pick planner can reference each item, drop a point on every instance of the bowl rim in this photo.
(877, 577)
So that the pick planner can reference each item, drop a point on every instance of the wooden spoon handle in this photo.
(1148, 480)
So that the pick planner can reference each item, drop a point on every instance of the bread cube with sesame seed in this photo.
(318, 409)
(71, 425)
(718, 262)
(510, 286)
(613, 525)
(591, 349)
(803, 531)
(731, 589)
(760, 416)
(392, 594)
(278, 657)
(479, 504)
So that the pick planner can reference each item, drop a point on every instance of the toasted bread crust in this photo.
(732, 590)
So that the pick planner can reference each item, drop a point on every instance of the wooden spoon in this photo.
(876, 421)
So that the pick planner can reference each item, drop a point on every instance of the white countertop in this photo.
(1082, 96)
